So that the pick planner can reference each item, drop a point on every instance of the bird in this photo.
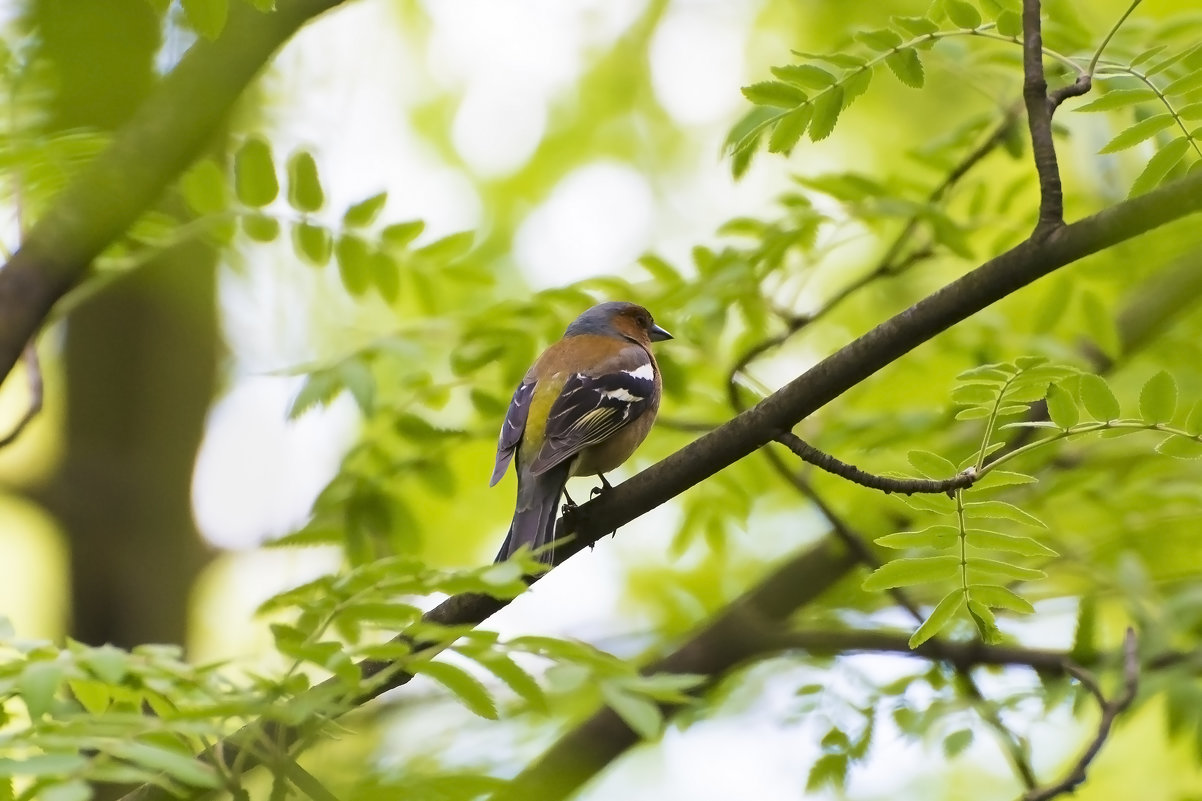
(582, 409)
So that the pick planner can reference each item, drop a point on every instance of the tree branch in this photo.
(166, 134)
(33, 371)
(1111, 709)
(1039, 120)
(905, 486)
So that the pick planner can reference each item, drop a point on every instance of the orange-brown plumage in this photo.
(583, 408)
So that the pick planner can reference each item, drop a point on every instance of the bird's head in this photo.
(619, 318)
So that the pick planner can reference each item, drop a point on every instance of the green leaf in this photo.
(1010, 23)
(997, 541)
(955, 743)
(353, 264)
(1191, 112)
(1185, 84)
(1119, 98)
(995, 372)
(1062, 407)
(304, 186)
(1158, 398)
(1193, 423)
(910, 571)
(1000, 598)
(943, 614)
(636, 711)
(919, 26)
(516, 678)
(931, 465)
(182, 767)
(774, 93)
(42, 765)
(1159, 166)
(1097, 398)
(881, 39)
(1180, 448)
(789, 129)
(983, 616)
(906, 65)
(855, 84)
(399, 235)
(929, 537)
(313, 243)
(1139, 132)
(807, 76)
(255, 182)
(38, 685)
(1000, 510)
(962, 14)
(386, 275)
(260, 227)
(1085, 637)
(991, 569)
(207, 17)
(463, 685)
(365, 211)
(448, 248)
(204, 188)
(827, 108)
(73, 790)
(829, 770)
(1002, 478)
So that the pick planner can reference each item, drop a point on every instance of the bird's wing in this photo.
(512, 428)
(592, 407)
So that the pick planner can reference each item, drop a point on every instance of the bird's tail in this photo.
(537, 509)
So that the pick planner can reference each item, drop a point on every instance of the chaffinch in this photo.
(582, 409)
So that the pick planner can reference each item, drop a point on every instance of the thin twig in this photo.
(904, 486)
(1111, 709)
(33, 372)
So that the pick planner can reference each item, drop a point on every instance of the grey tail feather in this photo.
(536, 512)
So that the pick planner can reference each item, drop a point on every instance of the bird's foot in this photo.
(605, 486)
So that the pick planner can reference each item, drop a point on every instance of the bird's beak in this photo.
(658, 334)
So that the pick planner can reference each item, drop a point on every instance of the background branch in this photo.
(1110, 711)
(168, 132)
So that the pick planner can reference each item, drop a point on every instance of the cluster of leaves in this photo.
(74, 715)
(1157, 92)
(369, 255)
(992, 393)
(809, 96)
(1160, 84)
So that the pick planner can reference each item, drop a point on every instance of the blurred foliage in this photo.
(1068, 521)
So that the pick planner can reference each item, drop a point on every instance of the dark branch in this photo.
(1111, 709)
(905, 486)
(33, 372)
(1039, 120)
